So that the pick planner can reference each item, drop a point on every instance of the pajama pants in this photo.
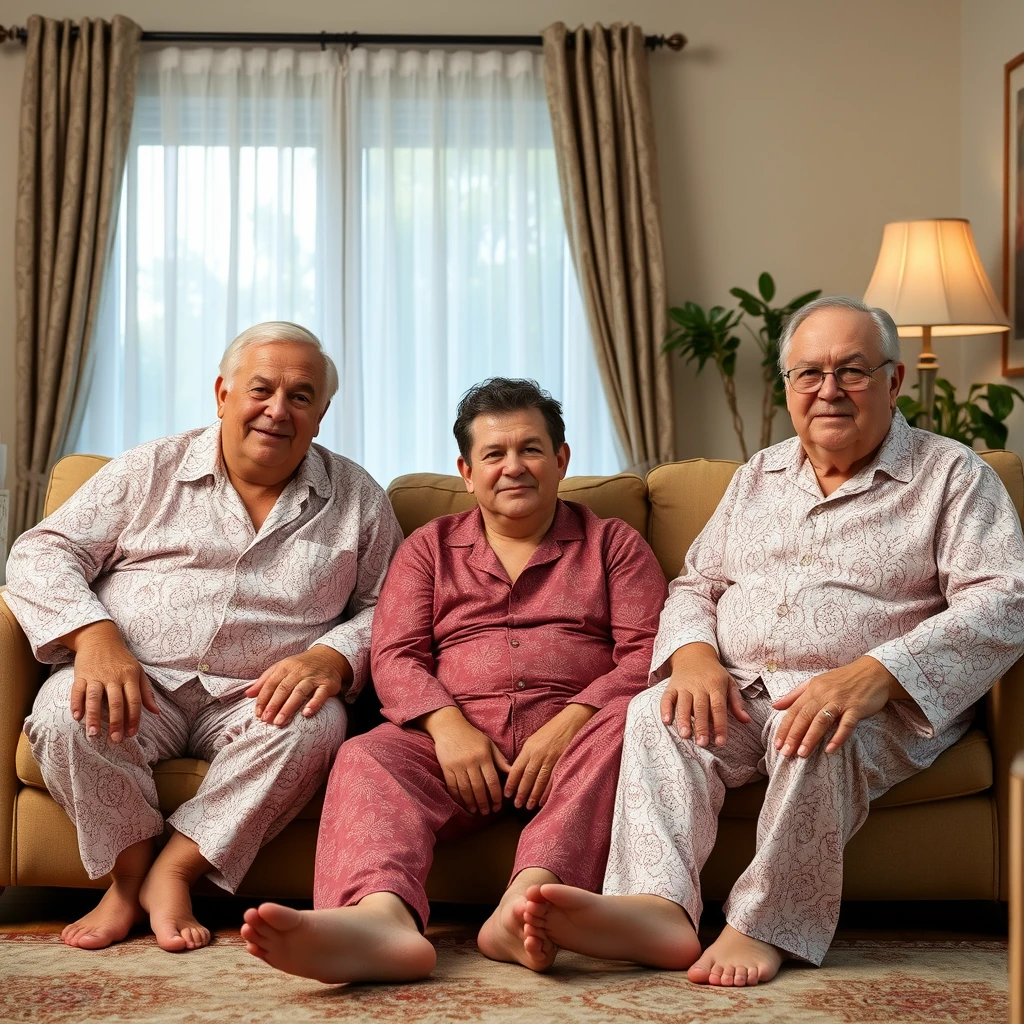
(671, 791)
(387, 802)
(260, 775)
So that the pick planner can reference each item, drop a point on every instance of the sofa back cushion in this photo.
(419, 497)
(682, 496)
(67, 476)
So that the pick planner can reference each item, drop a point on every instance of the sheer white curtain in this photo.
(230, 214)
(247, 171)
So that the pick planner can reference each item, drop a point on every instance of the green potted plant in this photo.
(699, 335)
(966, 421)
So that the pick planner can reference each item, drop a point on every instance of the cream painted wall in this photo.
(788, 134)
(992, 34)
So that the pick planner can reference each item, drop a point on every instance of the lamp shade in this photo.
(928, 274)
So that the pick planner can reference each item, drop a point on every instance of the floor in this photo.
(47, 910)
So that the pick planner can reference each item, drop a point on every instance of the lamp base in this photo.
(927, 368)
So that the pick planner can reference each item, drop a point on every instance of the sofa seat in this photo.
(962, 770)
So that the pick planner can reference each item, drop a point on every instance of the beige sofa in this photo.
(940, 835)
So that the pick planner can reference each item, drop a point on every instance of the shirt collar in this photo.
(564, 527)
(203, 459)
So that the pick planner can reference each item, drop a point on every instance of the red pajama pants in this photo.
(387, 803)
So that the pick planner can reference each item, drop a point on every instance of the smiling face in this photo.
(513, 468)
(271, 411)
(837, 426)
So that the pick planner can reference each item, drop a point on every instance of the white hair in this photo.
(269, 333)
(888, 337)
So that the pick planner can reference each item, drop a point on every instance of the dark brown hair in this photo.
(503, 395)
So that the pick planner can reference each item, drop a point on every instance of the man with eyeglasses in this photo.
(859, 588)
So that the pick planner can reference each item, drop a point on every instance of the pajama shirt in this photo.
(452, 630)
(917, 561)
(160, 543)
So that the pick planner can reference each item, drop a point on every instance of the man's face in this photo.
(271, 411)
(514, 469)
(846, 425)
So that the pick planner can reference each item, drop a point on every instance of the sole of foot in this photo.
(736, 960)
(504, 937)
(646, 930)
(334, 946)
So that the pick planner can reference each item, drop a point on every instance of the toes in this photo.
(740, 977)
(727, 976)
(533, 894)
(752, 976)
(256, 951)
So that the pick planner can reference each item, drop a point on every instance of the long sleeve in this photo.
(403, 662)
(379, 539)
(690, 614)
(636, 593)
(52, 566)
(950, 660)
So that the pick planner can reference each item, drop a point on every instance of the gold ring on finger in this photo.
(828, 714)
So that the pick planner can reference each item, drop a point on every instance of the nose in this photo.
(829, 389)
(276, 407)
(514, 465)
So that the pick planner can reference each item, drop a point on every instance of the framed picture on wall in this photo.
(1013, 215)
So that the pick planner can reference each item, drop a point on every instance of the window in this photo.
(412, 222)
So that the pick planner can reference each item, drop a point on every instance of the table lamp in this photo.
(929, 279)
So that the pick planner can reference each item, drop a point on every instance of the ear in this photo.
(320, 419)
(895, 384)
(220, 390)
(562, 455)
(466, 472)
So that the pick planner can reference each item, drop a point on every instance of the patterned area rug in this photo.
(43, 981)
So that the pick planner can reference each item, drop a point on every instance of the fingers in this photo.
(317, 701)
(808, 721)
(843, 730)
(787, 699)
(719, 717)
(132, 708)
(493, 786)
(146, 689)
(299, 694)
(499, 759)
(264, 689)
(451, 781)
(700, 715)
(668, 705)
(478, 789)
(684, 712)
(115, 710)
(736, 703)
(93, 707)
(540, 786)
(78, 688)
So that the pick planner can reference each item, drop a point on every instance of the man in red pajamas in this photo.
(507, 640)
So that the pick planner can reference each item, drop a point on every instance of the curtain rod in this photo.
(676, 41)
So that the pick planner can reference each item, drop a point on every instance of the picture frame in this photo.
(1013, 215)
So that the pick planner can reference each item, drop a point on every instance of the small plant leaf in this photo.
(766, 286)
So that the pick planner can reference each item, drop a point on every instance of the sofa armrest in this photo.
(19, 680)
(1004, 710)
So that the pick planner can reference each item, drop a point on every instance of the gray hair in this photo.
(276, 331)
(888, 336)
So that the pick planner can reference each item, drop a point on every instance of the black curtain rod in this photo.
(676, 41)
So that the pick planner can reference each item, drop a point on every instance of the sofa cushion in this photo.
(68, 475)
(419, 497)
(682, 496)
(963, 769)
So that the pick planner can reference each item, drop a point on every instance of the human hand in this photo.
(105, 670)
(700, 687)
(309, 678)
(529, 779)
(469, 760)
(840, 698)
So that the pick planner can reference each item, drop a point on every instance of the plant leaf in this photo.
(766, 286)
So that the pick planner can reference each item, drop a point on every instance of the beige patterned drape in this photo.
(76, 112)
(600, 103)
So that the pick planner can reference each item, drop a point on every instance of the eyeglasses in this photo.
(805, 379)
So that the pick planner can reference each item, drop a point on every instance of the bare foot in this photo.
(504, 935)
(167, 896)
(110, 920)
(373, 941)
(736, 959)
(645, 929)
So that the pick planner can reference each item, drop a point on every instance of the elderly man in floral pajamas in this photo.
(857, 590)
(194, 595)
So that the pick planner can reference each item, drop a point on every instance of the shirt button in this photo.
(204, 667)
(781, 610)
(771, 666)
(513, 643)
(520, 685)
(805, 560)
